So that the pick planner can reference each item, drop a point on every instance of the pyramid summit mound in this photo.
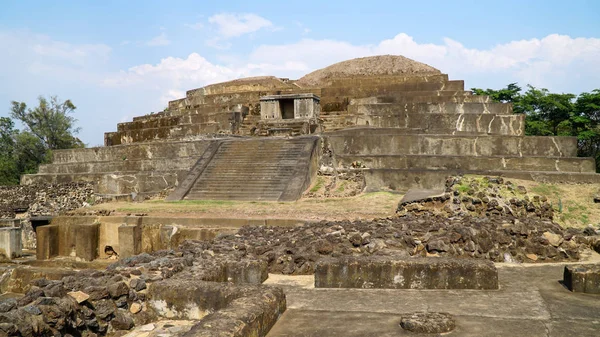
(367, 66)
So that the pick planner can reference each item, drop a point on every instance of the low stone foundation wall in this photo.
(418, 273)
(223, 292)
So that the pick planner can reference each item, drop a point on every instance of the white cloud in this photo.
(557, 62)
(160, 40)
(172, 76)
(233, 25)
(37, 64)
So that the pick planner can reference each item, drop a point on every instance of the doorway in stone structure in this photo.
(287, 108)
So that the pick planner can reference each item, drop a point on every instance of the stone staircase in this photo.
(253, 169)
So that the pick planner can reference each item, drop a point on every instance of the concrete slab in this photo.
(307, 323)
(530, 302)
(417, 194)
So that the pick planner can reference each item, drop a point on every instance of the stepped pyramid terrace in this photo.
(401, 123)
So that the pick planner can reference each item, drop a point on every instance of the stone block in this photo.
(180, 299)
(10, 222)
(414, 273)
(582, 278)
(130, 240)
(86, 241)
(10, 241)
(222, 309)
(47, 242)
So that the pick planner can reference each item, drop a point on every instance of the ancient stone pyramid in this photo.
(405, 122)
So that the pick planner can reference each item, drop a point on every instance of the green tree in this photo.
(47, 127)
(586, 124)
(50, 121)
(552, 114)
(8, 169)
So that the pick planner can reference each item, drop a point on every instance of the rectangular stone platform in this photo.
(482, 163)
(404, 179)
(409, 273)
(449, 108)
(378, 141)
(434, 123)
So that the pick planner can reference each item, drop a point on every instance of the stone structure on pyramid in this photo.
(266, 138)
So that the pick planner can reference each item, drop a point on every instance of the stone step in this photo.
(434, 99)
(178, 132)
(241, 183)
(159, 164)
(173, 121)
(337, 94)
(390, 141)
(423, 97)
(403, 180)
(257, 169)
(449, 108)
(436, 123)
(137, 151)
(255, 196)
(506, 163)
(116, 182)
(148, 123)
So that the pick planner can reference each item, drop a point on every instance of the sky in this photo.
(119, 59)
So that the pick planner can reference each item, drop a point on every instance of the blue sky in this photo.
(119, 59)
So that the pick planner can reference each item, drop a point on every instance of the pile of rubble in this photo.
(97, 303)
(46, 199)
(480, 196)
(92, 303)
(496, 238)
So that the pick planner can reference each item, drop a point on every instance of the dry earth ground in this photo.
(573, 205)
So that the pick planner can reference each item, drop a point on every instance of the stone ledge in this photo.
(582, 278)
(223, 309)
(416, 273)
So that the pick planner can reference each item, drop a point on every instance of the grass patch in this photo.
(547, 190)
(463, 188)
(318, 185)
(342, 187)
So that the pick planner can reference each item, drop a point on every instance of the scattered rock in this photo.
(554, 239)
(437, 246)
(356, 239)
(137, 284)
(79, 296)
(96, 292)
(428, 322)
(532, 257)
(122, 320)
(135, 308)
(118, 289)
